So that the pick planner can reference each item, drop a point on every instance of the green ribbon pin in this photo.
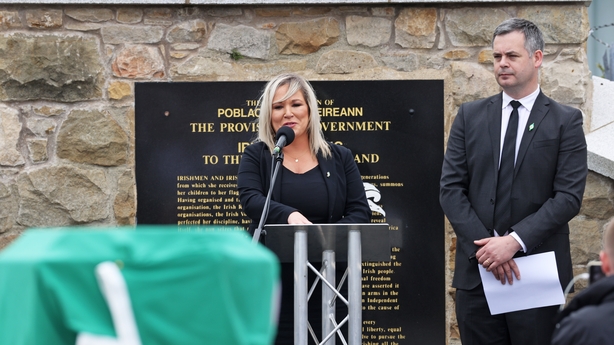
(531, 127)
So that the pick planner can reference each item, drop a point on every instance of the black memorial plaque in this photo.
(189, 140)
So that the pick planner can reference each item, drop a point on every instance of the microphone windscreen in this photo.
(288, 132)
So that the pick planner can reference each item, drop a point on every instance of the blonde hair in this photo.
(266, 132)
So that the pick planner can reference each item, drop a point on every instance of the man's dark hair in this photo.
(534, 39)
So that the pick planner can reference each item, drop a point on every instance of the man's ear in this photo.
(538, 58)
(606, 266)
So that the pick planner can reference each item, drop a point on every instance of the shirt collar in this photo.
(526, 101)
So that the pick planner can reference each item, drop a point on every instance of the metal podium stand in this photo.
(323, 242)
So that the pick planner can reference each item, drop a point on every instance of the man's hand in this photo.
(505, 270)
(496, 255)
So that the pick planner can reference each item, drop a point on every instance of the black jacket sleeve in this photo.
(253, 182)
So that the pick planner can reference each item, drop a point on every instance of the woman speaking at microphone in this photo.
(319, 181)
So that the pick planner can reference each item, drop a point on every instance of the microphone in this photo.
(284, 137)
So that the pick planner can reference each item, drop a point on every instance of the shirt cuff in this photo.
(517, 238)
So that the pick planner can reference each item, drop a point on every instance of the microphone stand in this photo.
(279, 157)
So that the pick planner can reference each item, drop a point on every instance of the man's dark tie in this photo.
(503, 204)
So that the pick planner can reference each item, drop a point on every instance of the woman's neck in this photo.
(299, 146)
(298, 157)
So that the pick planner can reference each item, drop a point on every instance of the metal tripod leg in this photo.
(354, 288)
(300, 288)
(328, 296)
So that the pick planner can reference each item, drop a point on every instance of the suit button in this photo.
(492, 201)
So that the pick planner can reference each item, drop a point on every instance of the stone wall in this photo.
(67, 77)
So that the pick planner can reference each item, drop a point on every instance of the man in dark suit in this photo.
(511, 200)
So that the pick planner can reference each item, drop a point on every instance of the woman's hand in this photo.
(297, 218)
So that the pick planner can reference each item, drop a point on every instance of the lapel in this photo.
(539, 111)
(327, 167)
(493, 113)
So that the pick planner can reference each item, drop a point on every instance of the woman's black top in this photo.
(307, 193)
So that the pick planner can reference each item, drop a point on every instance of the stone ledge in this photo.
(600, 140)
(274, 2)
(603, 103)
(600, 153)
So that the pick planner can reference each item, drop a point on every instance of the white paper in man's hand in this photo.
(538, 286)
